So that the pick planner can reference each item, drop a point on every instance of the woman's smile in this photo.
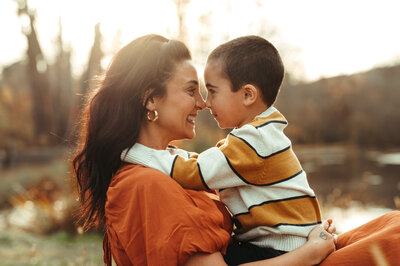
(191, 119)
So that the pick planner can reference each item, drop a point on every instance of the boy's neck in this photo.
(252, 111)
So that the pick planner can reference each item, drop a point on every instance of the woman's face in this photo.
(178, 108)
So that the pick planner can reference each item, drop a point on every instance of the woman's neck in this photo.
(149, 136)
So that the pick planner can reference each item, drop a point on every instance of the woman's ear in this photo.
(250, 94)
(148, 101)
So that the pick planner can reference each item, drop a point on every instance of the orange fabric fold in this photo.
(374, 243)
(152, 220)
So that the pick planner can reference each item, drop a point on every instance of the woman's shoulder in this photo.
(134, 183)
(137, 176)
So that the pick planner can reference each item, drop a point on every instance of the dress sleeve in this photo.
(159, 223)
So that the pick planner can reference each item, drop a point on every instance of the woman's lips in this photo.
(191, 118)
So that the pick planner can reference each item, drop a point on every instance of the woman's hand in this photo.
(321, 243)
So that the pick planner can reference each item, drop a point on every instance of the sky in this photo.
(316, 38)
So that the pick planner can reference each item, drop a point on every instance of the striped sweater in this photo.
(258, 176)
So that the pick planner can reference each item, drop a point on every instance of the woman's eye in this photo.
(191, 91)
(211, 91)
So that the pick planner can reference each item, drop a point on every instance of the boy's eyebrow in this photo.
(209, 85)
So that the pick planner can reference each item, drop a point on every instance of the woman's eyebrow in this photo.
(195, 82)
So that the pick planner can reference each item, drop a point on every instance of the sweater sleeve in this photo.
(210, 169)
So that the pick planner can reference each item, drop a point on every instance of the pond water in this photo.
(352, 185)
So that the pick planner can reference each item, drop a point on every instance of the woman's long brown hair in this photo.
(113, 116)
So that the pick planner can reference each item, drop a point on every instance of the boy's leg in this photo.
(243, 252)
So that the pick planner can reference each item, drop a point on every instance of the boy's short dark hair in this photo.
(251, 60)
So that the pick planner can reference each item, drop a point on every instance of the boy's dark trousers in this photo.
(242, 252)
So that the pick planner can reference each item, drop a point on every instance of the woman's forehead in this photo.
(185, 73)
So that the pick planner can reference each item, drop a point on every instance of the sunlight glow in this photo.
(324, 38)
(349, 218)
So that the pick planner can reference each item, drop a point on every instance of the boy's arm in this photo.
(184, 170)
(209, 170)
(161, 160)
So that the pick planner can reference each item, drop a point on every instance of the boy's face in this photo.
(226, 106)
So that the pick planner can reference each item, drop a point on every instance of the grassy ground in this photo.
(41, 185)
(17, 248)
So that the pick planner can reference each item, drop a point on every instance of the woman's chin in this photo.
(187, 135)
(191, 135)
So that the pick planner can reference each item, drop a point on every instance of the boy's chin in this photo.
(224, 126)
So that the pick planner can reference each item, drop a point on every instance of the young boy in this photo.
(254, 169)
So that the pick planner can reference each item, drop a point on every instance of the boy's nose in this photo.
(208, 104)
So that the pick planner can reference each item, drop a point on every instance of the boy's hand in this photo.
(330, 227)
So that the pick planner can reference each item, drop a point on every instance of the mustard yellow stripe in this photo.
(187, 173)
(275, 116)
(255, 169)
(295, 211)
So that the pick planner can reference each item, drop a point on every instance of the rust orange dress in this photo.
(374, 243)
(152, 220)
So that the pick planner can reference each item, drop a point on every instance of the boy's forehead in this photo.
(213, 73)
(213, 70)
(216, 65)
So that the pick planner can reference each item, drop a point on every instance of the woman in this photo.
(150, 94)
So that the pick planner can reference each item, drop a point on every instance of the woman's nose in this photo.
(200, 102)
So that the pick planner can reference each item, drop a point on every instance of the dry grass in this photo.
(20, 248)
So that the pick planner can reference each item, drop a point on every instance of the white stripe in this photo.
(138, 154)
(177, 151)
(284, 237)
(160, 160)
(216, 170)
(240, 200)
(256, 138)
(268, 112)
(232, 199)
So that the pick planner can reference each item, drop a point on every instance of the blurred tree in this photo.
(93, 67)
(16, 124)
(356, 110)
(202, 43)
(38, 77)
(181, 12)
(61, 87)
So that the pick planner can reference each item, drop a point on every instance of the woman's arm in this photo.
(319, 245)
(203, 259)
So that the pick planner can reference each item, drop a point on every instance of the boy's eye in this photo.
(211, 91)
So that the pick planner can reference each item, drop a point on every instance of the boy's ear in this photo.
(250, 94)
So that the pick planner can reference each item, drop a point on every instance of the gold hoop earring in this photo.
(155, 116)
